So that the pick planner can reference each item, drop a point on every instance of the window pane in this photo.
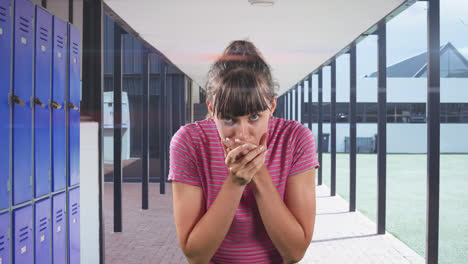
(453, 230)
(406, 138)
(366, 92)
(342, 125)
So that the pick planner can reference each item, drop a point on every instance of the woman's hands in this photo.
(244, 160)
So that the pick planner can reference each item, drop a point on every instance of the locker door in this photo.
(42, 238)
(4, 239)
(23, 242)
(5, 86)
(58, 100)
(59, 229)
(21, 99)
(74, 106)
(41, 101)
(74, 226)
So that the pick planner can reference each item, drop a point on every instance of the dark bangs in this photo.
(240, 92)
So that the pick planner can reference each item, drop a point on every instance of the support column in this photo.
(433, 132)
(382, 127)
(145, 132)
(333, 128)
(320, 128)
(117, 128)
(352, 129)
(92, 90)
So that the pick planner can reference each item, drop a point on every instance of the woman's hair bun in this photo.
(242, 48)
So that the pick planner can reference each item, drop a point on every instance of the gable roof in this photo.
(416, 66)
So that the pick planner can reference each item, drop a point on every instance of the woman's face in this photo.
(248, 128)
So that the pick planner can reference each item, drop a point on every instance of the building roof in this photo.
(193, 34)
(452, 65)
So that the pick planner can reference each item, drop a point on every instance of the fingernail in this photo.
(237, 140)
(227, 140)
(262, 147)
(245, 145)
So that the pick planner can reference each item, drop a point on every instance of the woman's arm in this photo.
(289, 224)
(200, 234)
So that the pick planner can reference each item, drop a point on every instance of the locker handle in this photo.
(72, 106)
(17, 100)
(55, 105)
(38, 102)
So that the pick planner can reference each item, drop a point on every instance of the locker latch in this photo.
(72, 106)
(55, 105)
(17, 100)
(38, 102)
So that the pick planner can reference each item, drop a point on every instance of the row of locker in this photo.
(39, 102)
(49, 239)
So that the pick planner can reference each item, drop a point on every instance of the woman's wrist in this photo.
(235, 182)
(260, 180)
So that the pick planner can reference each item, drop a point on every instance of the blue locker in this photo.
(5, 85)
(59, 67)
(4, 239)
(23, 242)
(74, 226)
(21, 99)
(42, 232)
(59, 237)
(74, 106)
(42, 81)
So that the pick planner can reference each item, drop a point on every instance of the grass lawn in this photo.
(406, 198)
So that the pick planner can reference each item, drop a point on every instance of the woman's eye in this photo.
(227, 119)
(254, 117)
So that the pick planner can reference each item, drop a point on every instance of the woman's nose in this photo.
(243, 132)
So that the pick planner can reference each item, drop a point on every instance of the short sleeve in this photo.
(182, 163)
(304, 156)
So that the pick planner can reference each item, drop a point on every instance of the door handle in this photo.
(72, 106)
(17, 100)
(38, 102)
(55, 105)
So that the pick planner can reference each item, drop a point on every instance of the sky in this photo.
(406, 37)
(407, 34)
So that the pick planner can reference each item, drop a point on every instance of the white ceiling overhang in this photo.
(295, 36)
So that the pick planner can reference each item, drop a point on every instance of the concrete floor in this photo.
(340, 237)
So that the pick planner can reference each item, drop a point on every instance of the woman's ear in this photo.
(273, 105)
(210, 108)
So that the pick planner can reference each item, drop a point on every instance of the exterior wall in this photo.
(89, 168)
(404, 90)
(404, 138)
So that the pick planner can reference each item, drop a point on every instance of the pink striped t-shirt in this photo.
(197, 158)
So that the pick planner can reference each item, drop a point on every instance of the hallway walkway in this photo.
(344, 237)
(339, 237)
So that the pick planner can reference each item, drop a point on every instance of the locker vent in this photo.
(24, 234)
(75, 48)
(74, 208)
(59, 216)
(44, 34)
(24, 24)
(43, 224)
(3, 14)
(60, 41)
(2, 243)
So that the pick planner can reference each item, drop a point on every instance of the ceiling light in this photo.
(262, 2)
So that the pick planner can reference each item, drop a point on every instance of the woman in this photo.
(243, 180)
